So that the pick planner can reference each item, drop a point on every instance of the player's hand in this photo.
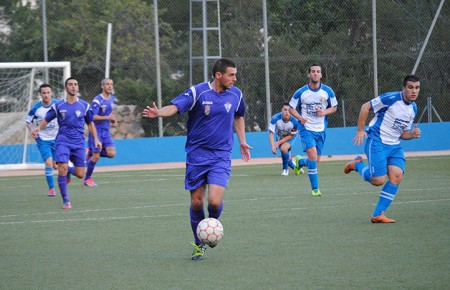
(320, 112)
(150, 112)
(35, 133)
(359, 138)
(416, 132)
(274, 149)
(112, 118)
(303, 120)
(245, 151)
(98, 144)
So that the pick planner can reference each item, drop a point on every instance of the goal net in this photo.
(19, 90)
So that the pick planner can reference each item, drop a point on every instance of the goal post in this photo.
(19, 90)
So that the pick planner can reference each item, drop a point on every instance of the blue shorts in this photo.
(380, 155)
(46, 148)
(216, 173)
(74, 153)
(104, 136)
(313, 139)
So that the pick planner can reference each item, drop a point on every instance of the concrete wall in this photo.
(435, 136)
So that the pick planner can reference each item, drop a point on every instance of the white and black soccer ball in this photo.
(210, 231)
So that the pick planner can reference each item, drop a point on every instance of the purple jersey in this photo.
(102, 107)
(71, 120)
(211, 117)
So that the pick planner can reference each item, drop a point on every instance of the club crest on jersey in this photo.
(103, 108)
(78, 113)
(63, 114)
(207, 110)
(227, 106)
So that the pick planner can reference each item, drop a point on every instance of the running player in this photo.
(394, 116)
(72, 113)
(213, 108)
(102, 107)
(311, 105)
(45, 141)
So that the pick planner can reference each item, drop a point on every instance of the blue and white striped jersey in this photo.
(282, 128)
(37, 113)
(393, 116)
(306, 101)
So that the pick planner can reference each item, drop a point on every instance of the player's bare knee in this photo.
(378, 181)
(215, 204)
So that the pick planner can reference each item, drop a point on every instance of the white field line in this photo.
(32, 221)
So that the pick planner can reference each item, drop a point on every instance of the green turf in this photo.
(133, 232)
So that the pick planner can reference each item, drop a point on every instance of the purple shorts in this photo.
(104, 136)
(216, 173)
(74, 153)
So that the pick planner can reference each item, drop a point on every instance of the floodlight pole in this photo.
(44, 38)
(108, 51)
(158, 65)
(266, 64)
(374, 44)
(438, 12)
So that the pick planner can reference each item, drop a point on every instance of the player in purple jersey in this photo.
(46, 139)
(394, 116)
(311, 105)
(102, 107)
(72, 113)
(213, 108)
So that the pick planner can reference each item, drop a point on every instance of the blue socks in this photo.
(62, 183)
(90, 169)
(387, 195)
(196, 217)
(49, 177)
(363, 171)
(287, 161)
(303, 162)
(313, 174)
(215, 213)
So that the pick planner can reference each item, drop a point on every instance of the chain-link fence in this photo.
(335, 34)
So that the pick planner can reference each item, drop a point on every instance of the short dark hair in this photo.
(285, 104)
(221, 65)
(44, 86)
(410, 78)
(68, 79)
(314, 64)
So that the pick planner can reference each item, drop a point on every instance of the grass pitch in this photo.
(133, 232)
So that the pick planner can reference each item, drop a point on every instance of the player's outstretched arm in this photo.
(154, 112)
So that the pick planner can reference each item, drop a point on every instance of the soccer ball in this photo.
(210, 231)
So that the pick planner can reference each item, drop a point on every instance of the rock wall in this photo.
(128, 123)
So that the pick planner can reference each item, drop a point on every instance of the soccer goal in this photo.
(19, 90)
